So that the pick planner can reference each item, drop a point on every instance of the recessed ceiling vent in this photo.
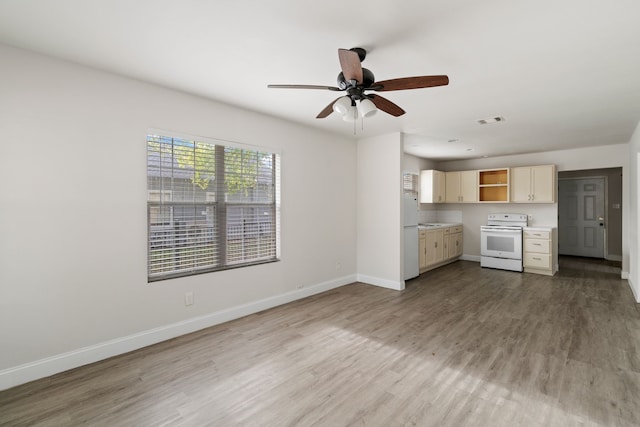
(495, 119)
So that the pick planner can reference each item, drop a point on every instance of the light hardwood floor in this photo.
(460, 346)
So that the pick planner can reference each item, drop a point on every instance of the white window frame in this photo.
(263, 248)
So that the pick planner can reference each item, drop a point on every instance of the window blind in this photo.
(210, 206)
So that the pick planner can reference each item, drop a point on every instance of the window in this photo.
(210, 206)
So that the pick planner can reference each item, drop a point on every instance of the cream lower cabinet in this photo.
(422, 245)
(435, 246)
(439, 246)
(455, 242)
(538, 252)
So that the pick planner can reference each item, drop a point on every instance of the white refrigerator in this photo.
(411, 250)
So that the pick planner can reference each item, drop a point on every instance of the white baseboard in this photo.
(624, 275)
(21, 374)
(383, 283)
(636, 295)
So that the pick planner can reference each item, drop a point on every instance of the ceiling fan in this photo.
(356, 80)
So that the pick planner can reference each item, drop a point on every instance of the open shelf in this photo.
(493, 185)
(494, 177)
(494, 193)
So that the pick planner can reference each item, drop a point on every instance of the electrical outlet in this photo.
(188, 298)
(338, 265)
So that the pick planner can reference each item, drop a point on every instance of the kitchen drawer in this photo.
(537, 245)
(423, 234)
(456, 229)
(537, 234)
(537, 261)
(447, 230)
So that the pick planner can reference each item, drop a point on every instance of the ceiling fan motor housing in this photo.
(367, 79)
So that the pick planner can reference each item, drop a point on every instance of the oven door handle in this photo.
(501, 230)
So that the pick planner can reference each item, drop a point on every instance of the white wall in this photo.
(413, 164)
(73, 281)
(606, 156)
(630, 226)
(379, 209)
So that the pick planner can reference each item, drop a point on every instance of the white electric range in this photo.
(501, 241)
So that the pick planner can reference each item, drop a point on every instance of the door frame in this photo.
(606, 204)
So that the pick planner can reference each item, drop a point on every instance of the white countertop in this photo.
(434, 225)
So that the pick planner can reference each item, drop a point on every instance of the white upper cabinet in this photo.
(461, 187)
(432, 186)
(533, 184)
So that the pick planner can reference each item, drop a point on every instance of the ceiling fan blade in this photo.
(304, 87)
(350, 64)
(387, 106)
(327, 110)
(410, 83)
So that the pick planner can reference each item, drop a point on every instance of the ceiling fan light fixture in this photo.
(366, 108)
(342, 105)
(351, 115)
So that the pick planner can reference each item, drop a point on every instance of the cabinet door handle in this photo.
(536, 244)
(537, 259)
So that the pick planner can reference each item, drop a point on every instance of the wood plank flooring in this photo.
(461, 346)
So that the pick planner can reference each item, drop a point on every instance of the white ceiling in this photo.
(563, 74)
